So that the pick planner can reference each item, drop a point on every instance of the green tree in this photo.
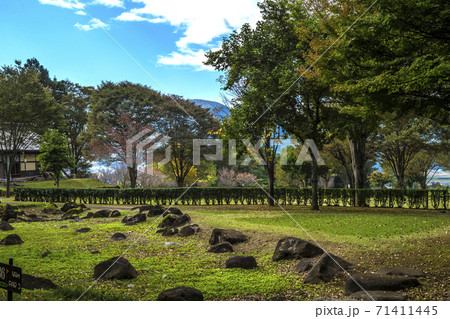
(27, 110)
(54, 154)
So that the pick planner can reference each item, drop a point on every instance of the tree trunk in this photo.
(314, 182)
(358, 153)
(8, 177)
(180, 181)
(132, 172)
(271, 174)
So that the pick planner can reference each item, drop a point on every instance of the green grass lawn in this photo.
(67, 183)
(369, 238)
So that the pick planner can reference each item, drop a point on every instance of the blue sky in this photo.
(75, 40)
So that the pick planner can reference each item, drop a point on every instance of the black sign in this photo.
(11, 278)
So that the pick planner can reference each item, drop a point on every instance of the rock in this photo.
(64, 226)
(89, 215)
(71, 205)
(169, 231)
(189, 230)
(173, 211)
(33, 283)
(134, 220)
(148, 208)
(378, 296)
(229, 235)
(104, 213)
(223, 247)
(115, 268)
(115, 213)
(246, 262)
(326, 268)
(181, 294)
(95, 252)
(76, 219)
(5, 226)
(170, 244)
(48, 252)
(174, 221)
(69, 215)
(295, 248)
(51, 208)
(154, 210)
(11, 240)
(10, 212)
(401, 271)
(378, 282)
(305, 265)
(118, 237)
(83, 230)
(167, 221)
(165, 277)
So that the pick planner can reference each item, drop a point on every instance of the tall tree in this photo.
(118, 112)
(54, 154)
(183, 122)
(27, 109)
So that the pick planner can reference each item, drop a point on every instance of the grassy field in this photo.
(369, 238)
(67, 183)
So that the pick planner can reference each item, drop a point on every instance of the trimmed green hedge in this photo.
(437, 199)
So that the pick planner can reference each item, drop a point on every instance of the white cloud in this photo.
(186, 57)
(202, 22)
(80, 12)
(93, 24)
(68, 4)
(110, 3)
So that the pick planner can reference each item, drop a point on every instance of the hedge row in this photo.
(437, 199)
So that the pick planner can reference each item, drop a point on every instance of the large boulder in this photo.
(103, 213)
(245, 262)
(181, 294)
(378, 296)
(115, 213)
(115, 268)
(5, 226)
(401, 271)
(51, 208)
(305, 265)
(173, 211)
(223, 247)
(69, 215)
(11, 240)
(10, 212)
(32, 283)
(175, 221)
(378, 282)
(71, 205)
(134, 220)
(169, 231)
(189, 230)
(326, 268)
(229, 235)
(295, 248)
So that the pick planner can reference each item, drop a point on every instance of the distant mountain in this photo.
(217, 109)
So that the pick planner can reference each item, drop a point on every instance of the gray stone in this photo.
(134, 220)
(181, 294)
(295, 248)
(305, 265)
(34, 283)
(173, 211)
(11, 240)
(326, 268)
(104, 213)
(401, 271)
(118, 237)
(169, 231)
(170, 244)
(83, 230)
(115, 268)
(189, 230)
(223, 247)
(245, 262)
(95, 252)
(378, 296)
(71, 205)
(229, 235)
(378, 282)
(5, 226)
(115, 213)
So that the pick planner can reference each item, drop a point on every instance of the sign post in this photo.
(11, 277)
